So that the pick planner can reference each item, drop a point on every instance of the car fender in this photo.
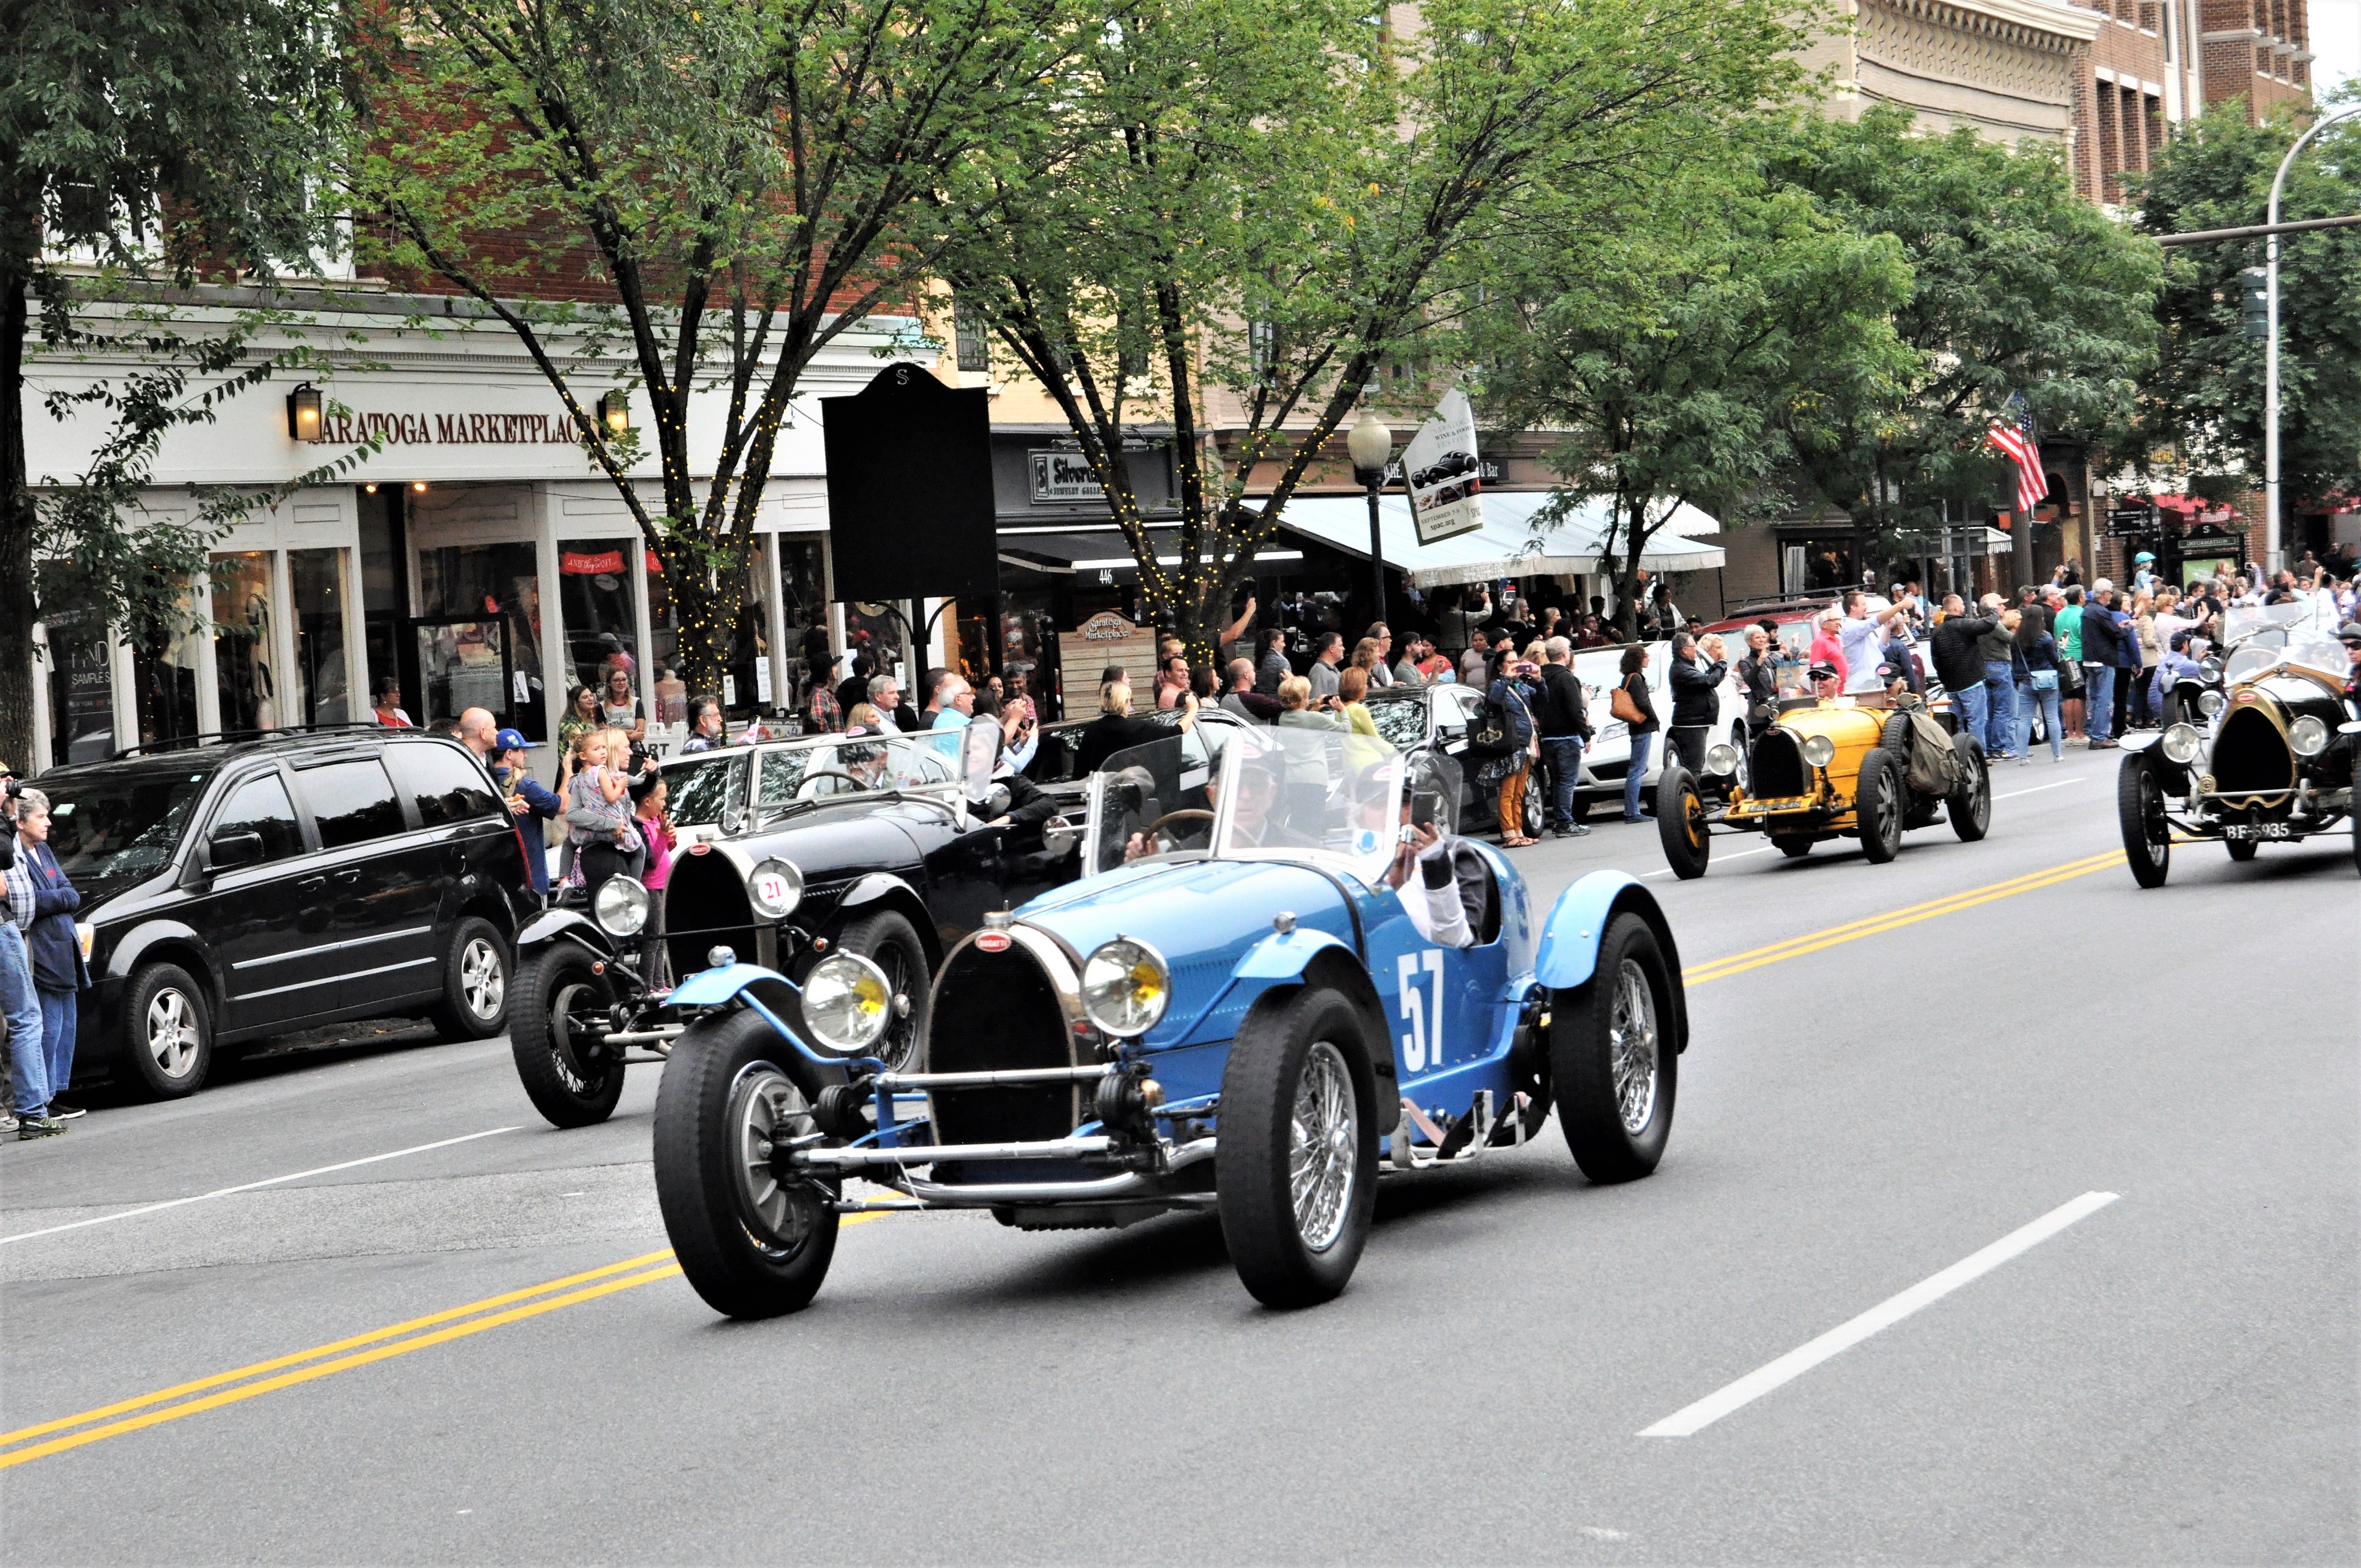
(1287, 960)
(1577, 923)
(132, 950)
(551, 924)
(2139, 740)
(884, 889)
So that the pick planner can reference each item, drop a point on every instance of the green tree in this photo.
(2205, 397)
(1667, 345)
(2017, 288)
(712, 189)
(1256, 207)
(151, 137)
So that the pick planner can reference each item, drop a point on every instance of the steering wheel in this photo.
(806, 783)
(1153, 830)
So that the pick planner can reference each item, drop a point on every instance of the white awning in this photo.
(1504, 547)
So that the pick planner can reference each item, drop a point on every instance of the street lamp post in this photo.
(1372, 446)
(2272, 348)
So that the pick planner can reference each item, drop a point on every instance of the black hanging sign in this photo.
(910, 490)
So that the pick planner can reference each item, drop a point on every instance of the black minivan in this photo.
(250, 887)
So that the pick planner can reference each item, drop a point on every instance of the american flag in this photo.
(2023, 448)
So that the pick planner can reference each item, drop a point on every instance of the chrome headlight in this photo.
(847, 1003)
(1819, 750)
(2211, 666)
(774, 887)
(1126, 987)
(2211, 703)
(1721, 761)
(2182, 742)
(622, 907)
(2309, 736)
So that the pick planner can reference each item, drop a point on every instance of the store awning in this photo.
(1506, 546)
(1093, 550)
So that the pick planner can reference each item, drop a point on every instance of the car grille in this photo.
(704, 903)
(995, 1012)
(1777, 767)
(2249, 754)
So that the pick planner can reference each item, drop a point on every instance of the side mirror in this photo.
(734, 821)
(1058, 836)
(994, 803)
(228, 851)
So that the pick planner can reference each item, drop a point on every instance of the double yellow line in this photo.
(38, 1442)
(1797, 947)
(321, 1361)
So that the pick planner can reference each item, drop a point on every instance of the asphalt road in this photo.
(1948, 1049)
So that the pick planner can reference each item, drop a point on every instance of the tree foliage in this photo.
(711, 190)
(2017, 288)
(155, 138)
(1679, 342)
(2206, 396)
(1247, 209)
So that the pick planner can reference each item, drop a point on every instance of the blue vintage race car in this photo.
(1279, 977)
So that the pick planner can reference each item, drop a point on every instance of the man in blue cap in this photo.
(527, 797)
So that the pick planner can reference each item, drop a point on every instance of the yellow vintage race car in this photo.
(1846, 767)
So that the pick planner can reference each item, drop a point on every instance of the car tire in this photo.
(2241, 849)
(1880, 798)
(475, 982)
(891, 942)
(167, 1033)
(559, 997)
(1536, 805)
(1794, 846)
(1680, 824)
(2139, 813)
(1611, 1065)
(1970, 806)
(1299, 1069)
(751, 1245)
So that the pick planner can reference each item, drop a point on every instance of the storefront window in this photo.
(245, 656)
(1809, 566)
(164, 687)
(600, 633)
(478, 634)
(82, 695)
(322, 689)
(802, 595)
(875, 632)
(747, 686)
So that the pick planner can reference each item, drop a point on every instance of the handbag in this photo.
(2045, 680)
(1489, 735)
(2069, 680)
(1625, 707)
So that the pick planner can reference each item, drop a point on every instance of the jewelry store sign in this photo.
(1063, 476)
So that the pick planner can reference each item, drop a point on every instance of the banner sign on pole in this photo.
(1443, 476)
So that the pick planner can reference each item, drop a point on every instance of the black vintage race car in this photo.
(2270, 761)
(890, 846)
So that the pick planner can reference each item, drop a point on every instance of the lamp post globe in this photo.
(1371, 445)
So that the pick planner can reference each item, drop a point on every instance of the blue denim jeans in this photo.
(1974, 706)
(21, 1005)
(1631, 780)
(1564, 755)
(2030, 701)
(2099, 701)
(60, 1017)
(1999, 707)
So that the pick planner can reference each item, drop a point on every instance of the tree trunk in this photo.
(17, 696)
(708, 616)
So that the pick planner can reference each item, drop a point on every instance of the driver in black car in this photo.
(865, 764)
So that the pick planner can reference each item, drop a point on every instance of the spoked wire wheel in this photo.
(1633, 1042)
(1323, 1147)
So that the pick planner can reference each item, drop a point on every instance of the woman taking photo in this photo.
(1632, 705)
(1513, 695)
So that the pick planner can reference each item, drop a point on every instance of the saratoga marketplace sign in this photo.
(450, 429)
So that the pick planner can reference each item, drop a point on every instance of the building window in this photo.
(81, 692)
(478, 636)
(322, 688)
(974, 348)
(601, 626)
(247, 676)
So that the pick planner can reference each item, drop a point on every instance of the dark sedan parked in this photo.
(242, 888)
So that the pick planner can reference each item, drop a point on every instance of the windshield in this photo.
(2274, 623)
(1289, 793)
(849, 764)
(119, 827)
(1401, 721)
(2301, 650)
(1147, 800)
(700, 789)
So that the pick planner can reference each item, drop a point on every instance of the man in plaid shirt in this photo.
(28, 1072)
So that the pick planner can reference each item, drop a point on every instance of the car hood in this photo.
(831, 838)
(1197, 914)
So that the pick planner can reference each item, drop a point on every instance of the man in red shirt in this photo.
(1828, 647)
